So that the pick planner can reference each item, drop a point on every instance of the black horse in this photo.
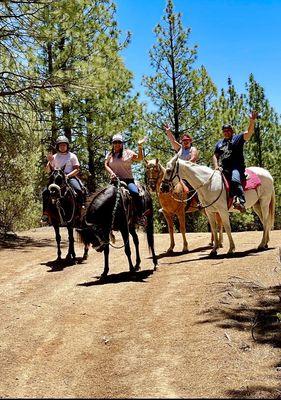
(111, 209)
(63, 211)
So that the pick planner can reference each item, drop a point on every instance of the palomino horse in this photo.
(212, 193)
(62, 210)
(111, 209)
(176, 202)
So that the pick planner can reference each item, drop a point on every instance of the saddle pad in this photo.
(252, 180)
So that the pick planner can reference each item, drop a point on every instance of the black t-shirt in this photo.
(230, 152)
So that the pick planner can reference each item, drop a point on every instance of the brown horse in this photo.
(176, 202)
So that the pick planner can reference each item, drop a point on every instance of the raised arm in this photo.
(251, 128)
(176, 145)
(139, 156)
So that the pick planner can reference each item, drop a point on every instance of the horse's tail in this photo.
(84, 235)
(272, 209)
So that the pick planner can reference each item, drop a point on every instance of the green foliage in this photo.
(62, 72)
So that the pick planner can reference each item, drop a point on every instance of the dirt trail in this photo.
(197, 327)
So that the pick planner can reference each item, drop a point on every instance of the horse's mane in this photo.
(195, 165)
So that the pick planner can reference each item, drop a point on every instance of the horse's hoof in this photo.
(103, 277)
(137, 268)
(213, 253)
(170, 251)
(262, 248)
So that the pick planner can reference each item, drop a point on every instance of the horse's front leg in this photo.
(58, 240)
(106, 262)
(213, 225)
(136, 243)
(125, 236)
(169, 220)
(226, 224)
(86, 251)
(71, 252)
(181, 218)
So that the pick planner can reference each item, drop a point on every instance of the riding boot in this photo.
(45, 197)
(140, 218)
(239, 197)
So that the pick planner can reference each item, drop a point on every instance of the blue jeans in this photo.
(134, 192)
(236, 189)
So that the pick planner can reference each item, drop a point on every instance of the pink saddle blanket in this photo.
(252, 181)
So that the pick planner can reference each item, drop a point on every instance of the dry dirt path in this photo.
(197, 327)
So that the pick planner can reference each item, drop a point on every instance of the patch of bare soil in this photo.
(196, 327)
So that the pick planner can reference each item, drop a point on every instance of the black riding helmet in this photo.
(62, 139)
(227, 126)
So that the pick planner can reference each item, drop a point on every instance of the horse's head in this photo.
(153, 173)
(170, 175)
(57, 183)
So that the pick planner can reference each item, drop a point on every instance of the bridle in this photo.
(58, 192)
(153, 174)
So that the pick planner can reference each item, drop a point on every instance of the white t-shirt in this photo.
(69, 159)
(122, 167)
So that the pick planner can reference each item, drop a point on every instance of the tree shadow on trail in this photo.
(24, 242)
(248, 306)
(139, 277)
(255, 392)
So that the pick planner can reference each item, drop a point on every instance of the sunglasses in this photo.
(117, 142)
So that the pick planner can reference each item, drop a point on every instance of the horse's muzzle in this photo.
(165, 187)
(54, 190)
(152, 185)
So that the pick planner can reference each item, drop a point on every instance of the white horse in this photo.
(213, 196)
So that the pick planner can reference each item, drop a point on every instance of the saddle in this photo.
(252, 181)
(132, 204)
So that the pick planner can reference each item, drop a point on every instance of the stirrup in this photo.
(238, 205)
(44, 219)
(142, 221)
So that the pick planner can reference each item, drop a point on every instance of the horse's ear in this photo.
(145, 160)
(157, 161)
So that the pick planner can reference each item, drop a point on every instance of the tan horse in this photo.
(177, 202)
